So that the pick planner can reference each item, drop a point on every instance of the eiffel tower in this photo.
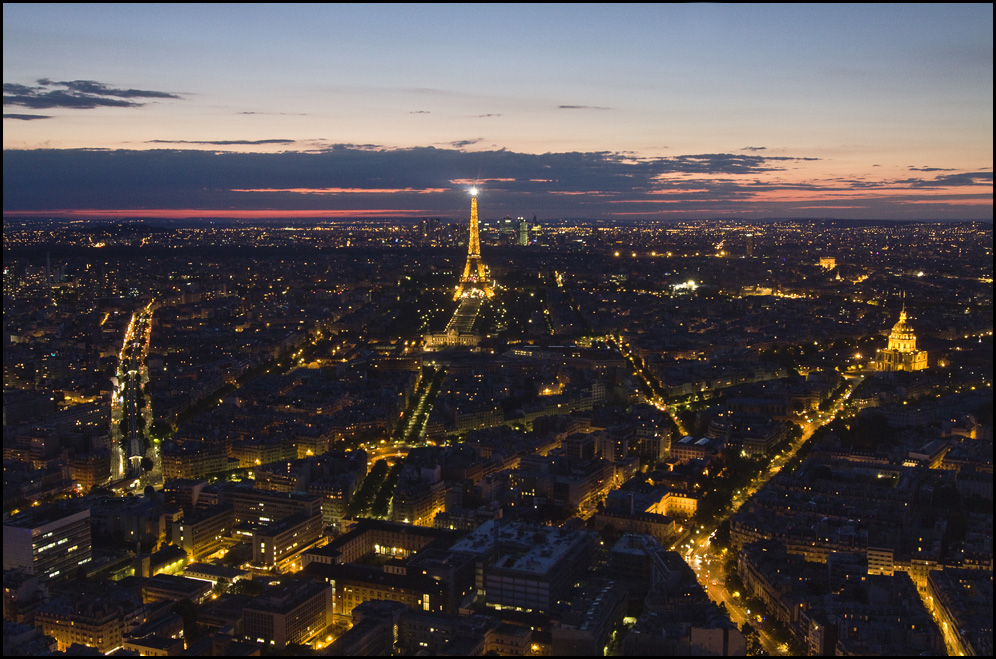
(473, 281)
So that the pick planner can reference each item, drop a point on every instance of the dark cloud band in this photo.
(583, 107)
(76, 94)
(26, 117)
(349, 177)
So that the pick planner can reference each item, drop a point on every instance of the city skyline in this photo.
(504, 329)
(618, 113)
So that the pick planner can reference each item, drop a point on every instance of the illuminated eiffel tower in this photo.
(473, 281)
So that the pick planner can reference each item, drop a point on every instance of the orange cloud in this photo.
(896, 193)
(649, 201)
(195, 213)
(478, 181)
(663, 211)
(681, 191)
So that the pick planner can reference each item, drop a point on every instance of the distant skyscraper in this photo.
(750, 245)
(474, 281)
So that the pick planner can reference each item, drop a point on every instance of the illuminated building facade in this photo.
(201, 534)
(49, 542)
(901, 355)
(352, 585)
(294, 612)
(474, 281)
(96, 623)
(273, 544)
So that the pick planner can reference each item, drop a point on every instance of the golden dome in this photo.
(902, 327)
(901, 355)
(902, 337)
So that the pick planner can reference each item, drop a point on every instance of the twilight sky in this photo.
(605, 111)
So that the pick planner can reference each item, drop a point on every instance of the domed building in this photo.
(901, 355)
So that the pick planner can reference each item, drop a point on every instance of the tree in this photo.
(188, 611)
(722, 538)
(753, 641)
(246, 587)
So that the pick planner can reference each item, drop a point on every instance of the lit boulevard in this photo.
(708, 563)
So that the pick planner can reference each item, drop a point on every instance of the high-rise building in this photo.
(47, 542)
(474, 280)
